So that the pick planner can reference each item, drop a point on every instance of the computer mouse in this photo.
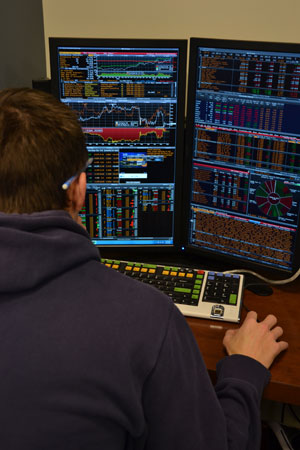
(260, 289)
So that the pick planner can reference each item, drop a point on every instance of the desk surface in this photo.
(283, 303)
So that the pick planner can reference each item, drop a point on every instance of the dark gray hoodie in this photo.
(90, 359)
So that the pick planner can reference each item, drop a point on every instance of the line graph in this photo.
(107, 66)
(127, 75)
(129, 66)
(132, 62)
(120, 115)
(129, 136)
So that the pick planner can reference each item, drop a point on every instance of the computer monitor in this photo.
(243, 154)
(129, 96)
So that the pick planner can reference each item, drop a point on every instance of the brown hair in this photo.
(41, 146)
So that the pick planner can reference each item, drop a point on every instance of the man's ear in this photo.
(76, 194)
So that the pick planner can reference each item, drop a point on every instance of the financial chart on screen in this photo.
(244, 110)
(127, 99)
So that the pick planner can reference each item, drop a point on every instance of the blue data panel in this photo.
(243, 133)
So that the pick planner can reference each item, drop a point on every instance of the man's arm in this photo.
(184, 411)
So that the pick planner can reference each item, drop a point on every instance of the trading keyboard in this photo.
(197, 293)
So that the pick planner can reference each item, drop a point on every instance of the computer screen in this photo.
(243, 153)
(129, 97)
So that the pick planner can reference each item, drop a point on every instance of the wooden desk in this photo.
(284, 303)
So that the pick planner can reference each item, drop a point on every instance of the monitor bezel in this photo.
(181, 45)
(212, 259)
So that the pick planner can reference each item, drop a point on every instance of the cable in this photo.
(294, 414)
(287, 280)
(246, 307)
(282, 413)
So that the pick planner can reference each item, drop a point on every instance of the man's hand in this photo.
(256, 339)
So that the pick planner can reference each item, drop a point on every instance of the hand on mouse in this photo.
(257, 340)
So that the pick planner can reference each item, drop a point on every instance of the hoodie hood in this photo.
(30, 243)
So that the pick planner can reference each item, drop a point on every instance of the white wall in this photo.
(268, 20)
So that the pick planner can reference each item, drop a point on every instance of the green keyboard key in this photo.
(183, 290)
(232, 299)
